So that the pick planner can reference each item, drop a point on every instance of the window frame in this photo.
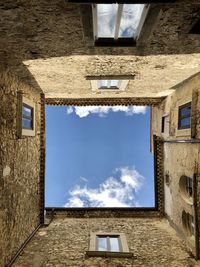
(123, 84)
(24, 101)
(123, 246)
(188, 104)
(116, 40)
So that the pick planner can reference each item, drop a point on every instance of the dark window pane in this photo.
(26, 112)
(101, 243)
(26, 123)
(185, 122)
(185, 111)
(114, 244)
(163, 125)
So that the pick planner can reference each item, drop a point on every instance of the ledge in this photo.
(109, 254)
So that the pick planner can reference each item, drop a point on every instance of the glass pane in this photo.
(101, 243)
(185, 111)
(185, 122)
(26, 123)
(114, 244)
(130, 19)
(26, 111)
(114, 83)
(103, 83)
(106, 20)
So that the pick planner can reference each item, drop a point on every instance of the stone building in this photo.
(52, 53)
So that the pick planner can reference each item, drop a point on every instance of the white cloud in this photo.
(102, 111)
(113, 192)
(70, 110)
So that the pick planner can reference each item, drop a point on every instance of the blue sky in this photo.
(98, 157)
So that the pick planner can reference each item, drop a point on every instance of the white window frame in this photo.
(117, 22)
(94, 252)
(122, 85)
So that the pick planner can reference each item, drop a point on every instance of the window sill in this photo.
(109, 254)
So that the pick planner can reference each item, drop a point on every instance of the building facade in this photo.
(49, 54)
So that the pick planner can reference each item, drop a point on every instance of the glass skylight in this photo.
(108, 84)
(130, 19)
(117, 20)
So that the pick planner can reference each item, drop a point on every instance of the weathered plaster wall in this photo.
(19, 170)
(186, 91)
(179, 159)
(66, 240)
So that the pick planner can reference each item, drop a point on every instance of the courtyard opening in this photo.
(99, 156)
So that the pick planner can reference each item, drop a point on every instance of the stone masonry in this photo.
(64, 243)
(19, 170)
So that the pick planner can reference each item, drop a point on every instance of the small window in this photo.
(108, 245)
(163, 125)
(27, 117)
(186, 188)
(188, 223)
(109, 85)
(184, 116)
(118, 24)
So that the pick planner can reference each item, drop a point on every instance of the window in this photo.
(27, 117)
(184, 116)
(109, 85)
(186, 188)
(118, 23)
(163, 125)
(108, 245)
(188, 223)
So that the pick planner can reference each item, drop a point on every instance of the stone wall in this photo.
(65, 242)
(19, 168)
(186, 91)
(180, 159)
(43, 42)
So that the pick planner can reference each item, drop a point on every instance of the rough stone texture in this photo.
(43, 43)
(19, 170)
(65, 241)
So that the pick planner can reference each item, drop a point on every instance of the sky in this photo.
(98, 157)
(107, 16)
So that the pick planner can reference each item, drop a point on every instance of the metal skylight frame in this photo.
(117, 23)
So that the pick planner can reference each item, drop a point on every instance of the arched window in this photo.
(188, 223)
(186, 188)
